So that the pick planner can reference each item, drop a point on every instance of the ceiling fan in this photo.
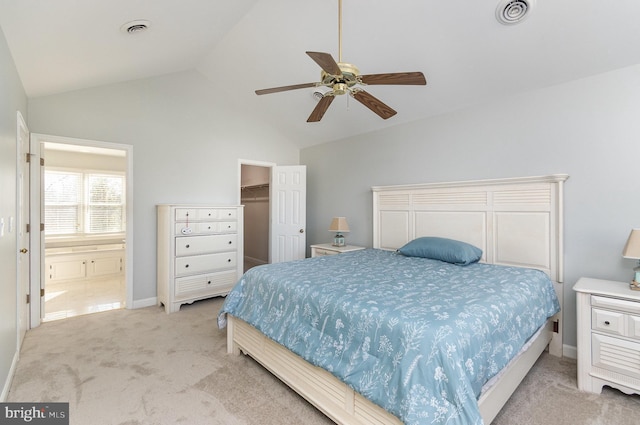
(344, 78)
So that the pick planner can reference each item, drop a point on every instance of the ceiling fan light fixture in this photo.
(510, 12)
(319, 92)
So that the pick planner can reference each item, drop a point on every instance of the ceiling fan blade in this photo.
(285, 88)
(398, 78)
(320, 109)
(326, 62)
(374, 104)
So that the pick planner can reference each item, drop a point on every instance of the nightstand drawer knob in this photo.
(301, 230)
(606, 322)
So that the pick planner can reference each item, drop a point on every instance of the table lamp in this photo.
(340, 226)
(632, 250)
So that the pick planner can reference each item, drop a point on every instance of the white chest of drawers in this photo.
(200, 252)
(608, 318)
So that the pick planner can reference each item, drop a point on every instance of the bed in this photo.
(517, 223)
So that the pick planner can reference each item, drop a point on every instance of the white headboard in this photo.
(515, 221)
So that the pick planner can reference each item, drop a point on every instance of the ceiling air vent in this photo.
(511, 12)
(135, 26)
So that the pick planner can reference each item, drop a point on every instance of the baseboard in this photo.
(12, 371)
(147, 302)
(570, 351)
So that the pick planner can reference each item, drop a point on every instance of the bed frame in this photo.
(515, 221)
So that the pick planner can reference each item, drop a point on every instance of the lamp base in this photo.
(634, 285)
(338, 240)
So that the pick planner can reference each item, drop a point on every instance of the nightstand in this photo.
(328, 249)
(608, 320)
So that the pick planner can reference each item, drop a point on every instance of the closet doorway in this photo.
(85, 205)
(254, 195)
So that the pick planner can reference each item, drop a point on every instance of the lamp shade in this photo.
(339, 224)
(632, 248)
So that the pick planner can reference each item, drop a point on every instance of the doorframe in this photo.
(36, 216)
(242, 162)
(265, 164)
(23, 288)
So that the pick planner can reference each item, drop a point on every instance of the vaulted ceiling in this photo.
(467, 56)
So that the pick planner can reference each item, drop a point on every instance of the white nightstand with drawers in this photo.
(328, 249)
(608, 321)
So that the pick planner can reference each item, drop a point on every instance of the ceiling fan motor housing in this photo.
(341, 83)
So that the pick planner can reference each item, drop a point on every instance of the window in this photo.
(83, 203)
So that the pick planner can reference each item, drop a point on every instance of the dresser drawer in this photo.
(187, 287)
(320, 251)
(195, 245)
(202, 214)
(615, 304)
(608, 321)
(617, 355)
(216, 227)
(205, 263)
(633, 329)
(207, 227)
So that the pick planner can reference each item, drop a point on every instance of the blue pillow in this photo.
(448, 250)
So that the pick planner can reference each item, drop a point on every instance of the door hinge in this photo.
(28, 157)
(42, 162)
(28, 227)
(42, 292)
(556, 326)
(28, 298)
(42, 227)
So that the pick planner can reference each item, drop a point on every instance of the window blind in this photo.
(78, 203)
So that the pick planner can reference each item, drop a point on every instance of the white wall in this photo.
(84, 161)
(186, 146)
(12, 99)
(589, 129)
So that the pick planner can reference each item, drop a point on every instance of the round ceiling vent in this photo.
(511, 12)
(135, 26)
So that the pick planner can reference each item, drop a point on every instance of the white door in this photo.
(288, 197)
(21, 227)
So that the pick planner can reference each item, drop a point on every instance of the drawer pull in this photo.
(230, 242)
(186, 266)
(606, 322)
(208, 282)
(229, 260)
(186, 246)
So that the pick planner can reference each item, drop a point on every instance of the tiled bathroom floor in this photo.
(73, 298)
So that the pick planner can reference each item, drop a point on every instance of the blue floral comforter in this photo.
(418, 337)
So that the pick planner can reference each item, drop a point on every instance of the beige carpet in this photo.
(144, 367)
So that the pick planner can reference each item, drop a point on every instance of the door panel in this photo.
(288, 213)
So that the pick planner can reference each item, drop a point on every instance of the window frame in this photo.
(84, 205)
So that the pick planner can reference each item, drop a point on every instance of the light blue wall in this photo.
(12, 99)
(186, 145)
(589, 129)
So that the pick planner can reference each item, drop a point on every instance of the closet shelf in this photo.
(254, 186)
